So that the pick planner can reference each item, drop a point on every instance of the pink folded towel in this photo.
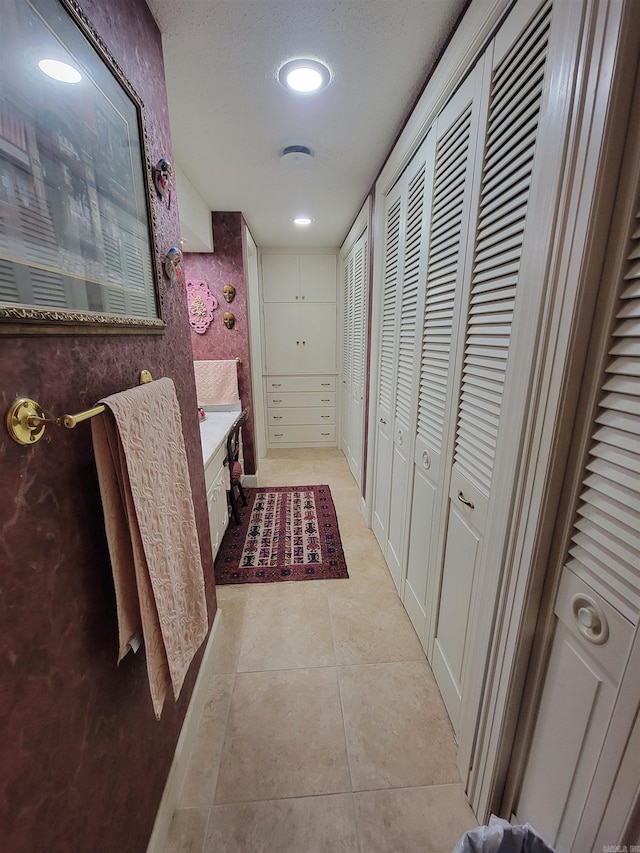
(151, 531)
(216, 382)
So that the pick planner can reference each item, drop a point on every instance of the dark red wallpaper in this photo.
(83, 762)
(227, 265)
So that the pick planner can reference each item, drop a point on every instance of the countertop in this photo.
(214, 430)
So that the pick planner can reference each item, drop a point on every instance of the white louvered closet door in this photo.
(515, 98)
(598, 603)
(411, 281)
(387, 365)
(359, 286)
(347, 354)
(454, 151)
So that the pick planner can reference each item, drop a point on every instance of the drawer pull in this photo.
(326, 384)
(325, 433)
(277, 417)
(463, 500)
(277, 401)
(325, 401)
(325, 416)
(278, 434)
(276, 384)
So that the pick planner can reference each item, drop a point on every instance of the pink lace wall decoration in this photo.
(202, 303)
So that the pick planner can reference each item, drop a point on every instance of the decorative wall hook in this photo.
(173, 265)
(162, 178)
(202, 304)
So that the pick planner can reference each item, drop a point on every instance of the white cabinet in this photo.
(301, 409)
(299, 278)
(300, 338)
(299, 313)
(214, 474)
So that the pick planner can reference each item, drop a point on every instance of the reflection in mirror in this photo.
(76, 229)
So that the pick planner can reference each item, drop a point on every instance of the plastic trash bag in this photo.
(499, 836)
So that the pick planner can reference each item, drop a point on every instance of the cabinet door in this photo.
(281, 278)
(281, 322)
(317, 278)
(300, 338)
(315, 339)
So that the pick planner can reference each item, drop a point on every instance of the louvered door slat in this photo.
(604, 547)
(387, 348)
(358, 317)
(514, 106)
(443, 261)
(409, 297)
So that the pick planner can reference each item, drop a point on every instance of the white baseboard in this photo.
(250, 480)
(184, 746)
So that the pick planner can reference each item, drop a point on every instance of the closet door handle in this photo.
(463, 500)
(382, 421)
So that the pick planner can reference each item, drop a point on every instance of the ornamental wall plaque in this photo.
(202, 303)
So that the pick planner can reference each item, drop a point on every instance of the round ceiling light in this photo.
(61, 71)
(302, 221)
(304, 75)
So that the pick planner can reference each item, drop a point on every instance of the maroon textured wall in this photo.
(227, 265)
(83, 761)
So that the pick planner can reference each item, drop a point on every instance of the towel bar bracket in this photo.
(26, 421)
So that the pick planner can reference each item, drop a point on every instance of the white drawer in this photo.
(300, 383)
(317, 399)
(214, 465)
(281, 417)
(302, 433)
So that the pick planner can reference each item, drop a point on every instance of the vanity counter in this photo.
(214, 430)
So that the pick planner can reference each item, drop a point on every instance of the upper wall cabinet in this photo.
(299, 278)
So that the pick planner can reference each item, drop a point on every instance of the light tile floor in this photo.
(323, 729)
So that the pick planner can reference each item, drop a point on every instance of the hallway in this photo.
(323, 728)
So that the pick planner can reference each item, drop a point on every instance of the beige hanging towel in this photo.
(216, 382)
(151, 531)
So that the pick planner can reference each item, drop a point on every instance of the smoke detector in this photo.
(296, 157)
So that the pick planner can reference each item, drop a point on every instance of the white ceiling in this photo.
(231, 118)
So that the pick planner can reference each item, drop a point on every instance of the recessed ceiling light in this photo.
(302, 220)
(61, 71)
(304, 75)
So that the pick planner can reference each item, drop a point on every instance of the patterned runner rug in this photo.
(287, 533)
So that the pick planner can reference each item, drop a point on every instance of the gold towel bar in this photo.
(26, 421)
